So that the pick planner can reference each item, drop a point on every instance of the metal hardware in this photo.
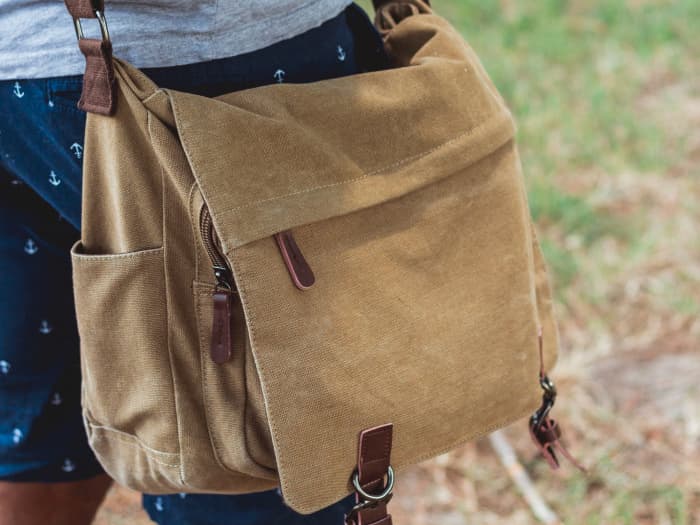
(548, 386)
(369, 501)
(384, 496)
(549, 396)
(351, 517)
(103, 27)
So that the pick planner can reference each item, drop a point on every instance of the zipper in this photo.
(299, 270)
(222, 296)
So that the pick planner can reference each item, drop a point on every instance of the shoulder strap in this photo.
(99, 87)
(378, 4)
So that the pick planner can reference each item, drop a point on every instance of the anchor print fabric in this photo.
(41, 152)
(41, 434)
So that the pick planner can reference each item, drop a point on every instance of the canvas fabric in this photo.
(403, 188)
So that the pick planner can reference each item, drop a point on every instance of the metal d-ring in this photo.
(375, 498)
(103, 26)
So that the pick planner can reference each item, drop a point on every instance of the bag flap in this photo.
(424, 313)
(275, 157)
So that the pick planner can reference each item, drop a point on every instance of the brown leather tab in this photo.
(390, 13)
(99, 87)
(84, 8)
(221, 327)
(380, 3)
(373, 462)
(545, 431)
(299, 270)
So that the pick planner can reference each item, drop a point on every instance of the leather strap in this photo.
(389, 13)
(373, 462)
(99, 87)
(381, 3)
(84, 8)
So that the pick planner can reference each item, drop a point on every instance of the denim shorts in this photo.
(41, 149)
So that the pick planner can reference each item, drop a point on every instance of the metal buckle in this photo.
(103, 27)
(549, 396)
(370, 500)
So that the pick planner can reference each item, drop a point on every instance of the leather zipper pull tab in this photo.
(544, 430)
(221, 327)
(299, 270)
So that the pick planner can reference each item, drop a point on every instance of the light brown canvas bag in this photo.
(266, 275)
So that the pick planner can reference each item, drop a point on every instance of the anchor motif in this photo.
(68, 465)
(53, 178)
(77, 150)
(5, 367)
(17, 436)
(341, 54)
(45, 327)
(279, 75)
(30, 247)
(56, 399)
(18, 90)
(159, 504)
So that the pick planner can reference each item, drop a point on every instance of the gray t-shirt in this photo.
(37, 37)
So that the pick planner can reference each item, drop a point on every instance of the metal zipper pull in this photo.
(222, 297)
(299, 270)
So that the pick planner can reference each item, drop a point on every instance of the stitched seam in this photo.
(167, 305)
(146, 100)
(87, 258)
(194, 222)
(399, 163)
(216, 443)
(133, 439)
(138, 445)
(250, 322)
(368, 174)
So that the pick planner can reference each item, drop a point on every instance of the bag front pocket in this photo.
(233, 399)
(122, 320)
(233, 404)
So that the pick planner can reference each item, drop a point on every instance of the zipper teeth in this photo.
(206, 227)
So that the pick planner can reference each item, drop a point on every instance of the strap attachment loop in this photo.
(103, 27)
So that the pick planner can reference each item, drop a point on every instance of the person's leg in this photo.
(264, 508)
(65, 503)
(47, 471)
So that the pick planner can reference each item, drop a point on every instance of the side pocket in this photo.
(122, 320)
(236, 419)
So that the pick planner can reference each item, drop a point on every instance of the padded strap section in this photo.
(99, 88)
(84, 8)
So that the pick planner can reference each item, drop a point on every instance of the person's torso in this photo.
(37, 38)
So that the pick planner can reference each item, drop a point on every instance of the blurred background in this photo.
(607, 98)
